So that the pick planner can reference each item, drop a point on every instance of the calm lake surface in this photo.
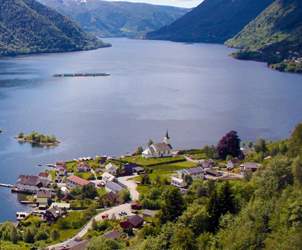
(195, 90)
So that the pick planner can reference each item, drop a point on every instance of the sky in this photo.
(178, 3)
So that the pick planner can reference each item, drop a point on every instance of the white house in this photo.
(111, 168)
(107, 177)
(178, 182)
(158, 150)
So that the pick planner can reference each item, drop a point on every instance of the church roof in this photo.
(161, 147)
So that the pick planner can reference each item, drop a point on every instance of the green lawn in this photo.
(152, 161)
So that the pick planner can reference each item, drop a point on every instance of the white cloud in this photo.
(179, 3)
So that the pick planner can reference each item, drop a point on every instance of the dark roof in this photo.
(135, 220)
(112, 235)
(193, 171)
(114, 186)
(44, 194)
(161, 146)
(212, 172)
(29, 180)
(250, 165)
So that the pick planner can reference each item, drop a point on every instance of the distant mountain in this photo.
(27, 26)
(213, 21)
(275, 36)
(113, 19)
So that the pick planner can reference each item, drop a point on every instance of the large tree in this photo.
(229, 145)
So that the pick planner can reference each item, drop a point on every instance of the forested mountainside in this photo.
(116, 19)
(275, 36)
(213, 21)
(27, 26)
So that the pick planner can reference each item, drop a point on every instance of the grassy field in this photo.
(152, 161)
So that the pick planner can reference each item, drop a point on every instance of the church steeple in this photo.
(167, 138)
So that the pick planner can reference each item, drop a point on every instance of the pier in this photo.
(6, 185)
(81, 75)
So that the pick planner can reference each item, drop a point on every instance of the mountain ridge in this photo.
(213, 21)
(116, 19)
(29, 27)
(275, 37)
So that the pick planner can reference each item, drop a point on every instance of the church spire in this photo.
(167, 135)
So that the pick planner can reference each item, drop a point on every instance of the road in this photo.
(131, 185)
(111, 213)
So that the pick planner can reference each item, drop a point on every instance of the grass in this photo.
(6, 245)
(139, 160)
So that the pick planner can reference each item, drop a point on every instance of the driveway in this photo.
(131, 185)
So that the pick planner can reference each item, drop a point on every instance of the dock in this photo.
(81, 75)
(6, 185)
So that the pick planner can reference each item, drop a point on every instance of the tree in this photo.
(150, 142)
(146, 179)
(139, 150)
(13, 235)
(55, 235)
(297, 171)
(295, 142)
(183, 239)
(172, 204)
(188, 179)
(220, 203)
(28, 236)
(124, 195)
(229, 145)
(89, 191)
(101, 243)
(260, 146)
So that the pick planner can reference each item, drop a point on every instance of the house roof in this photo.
(160, 147)
(193, 171)
(112, 235)
(135, 220)
(44, 194)
(77, 180)
(250, 165)
(114, 186)
(43, 174)
(111, 166)
(29, 180)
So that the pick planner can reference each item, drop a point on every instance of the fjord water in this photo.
(196, 91)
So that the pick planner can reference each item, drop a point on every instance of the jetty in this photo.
(81, 75)
(6, 185)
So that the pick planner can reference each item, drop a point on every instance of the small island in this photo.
(37, 139)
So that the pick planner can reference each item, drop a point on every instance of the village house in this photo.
(107, 177)
(75, 181)
(113, 235)
(111, 169)
(178, 182)
(45, 176)
(113, 187)
(83, 167)
(43, 199)
(195, 173)
(158, 150)
(249, 167)
(54, 213)
(133, 221)
(30, 184)
(207, 163)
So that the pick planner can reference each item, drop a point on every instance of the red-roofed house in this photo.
(75, 181)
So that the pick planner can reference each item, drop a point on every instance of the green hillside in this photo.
(275, 36)
(213, 21)
(115, 19)
(27, 26)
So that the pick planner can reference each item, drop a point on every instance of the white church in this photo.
(158, 150)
